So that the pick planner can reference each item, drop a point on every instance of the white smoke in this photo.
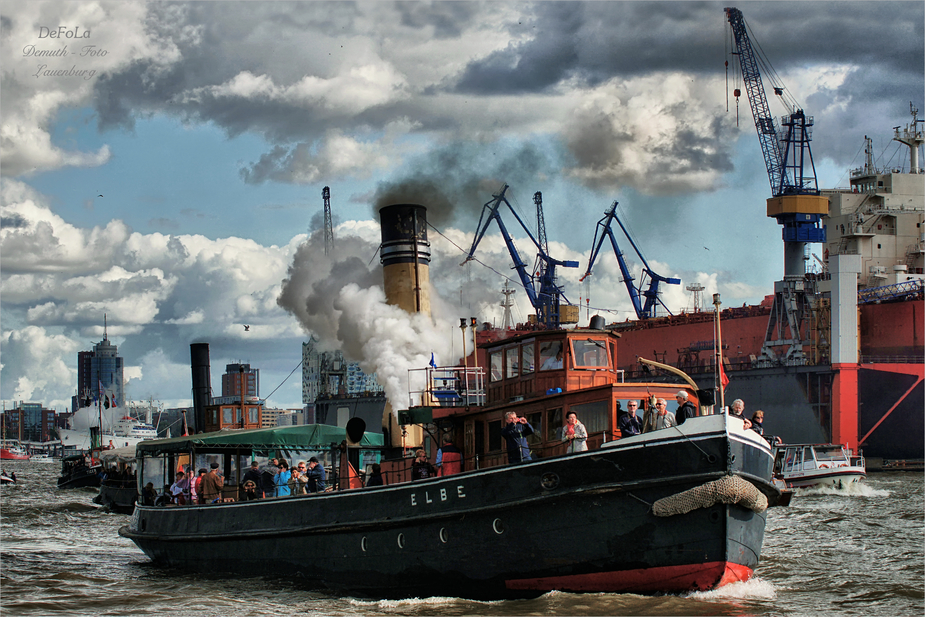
(342, 303)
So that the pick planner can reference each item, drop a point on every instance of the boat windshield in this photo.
(829, 454)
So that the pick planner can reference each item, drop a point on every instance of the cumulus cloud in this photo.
(156, 292)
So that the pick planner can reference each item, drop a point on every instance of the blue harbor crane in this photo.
(795, 202)
(643, 311)
(546, 299)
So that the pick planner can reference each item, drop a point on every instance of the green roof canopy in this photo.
(302, 437)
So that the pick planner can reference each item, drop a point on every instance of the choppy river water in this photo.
(831, 552)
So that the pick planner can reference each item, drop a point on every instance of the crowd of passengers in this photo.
(276, 479)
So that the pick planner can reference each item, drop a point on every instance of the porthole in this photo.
(401, 540)
(549, 481)
(443, 535)
(363, 544)
(715, 515)
(498, 526)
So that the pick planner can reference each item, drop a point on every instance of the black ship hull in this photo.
(117, 497)
(583, 522)
(79, 479)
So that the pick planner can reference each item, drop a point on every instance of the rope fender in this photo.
(728, 489)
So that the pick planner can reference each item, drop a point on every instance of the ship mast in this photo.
(912, 137)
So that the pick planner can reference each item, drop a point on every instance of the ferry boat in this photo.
(809, 465)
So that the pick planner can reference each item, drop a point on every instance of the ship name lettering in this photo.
(444, 495)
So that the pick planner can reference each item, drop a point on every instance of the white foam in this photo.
(754, 588)
(398, 605)
(858, 489)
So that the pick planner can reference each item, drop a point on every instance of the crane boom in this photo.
(643, 310)
(546, 299)
(787, 153)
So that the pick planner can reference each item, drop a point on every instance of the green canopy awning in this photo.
(302, 437)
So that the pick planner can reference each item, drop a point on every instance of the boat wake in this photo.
(399, 606)
(753, 589)
(851, 489)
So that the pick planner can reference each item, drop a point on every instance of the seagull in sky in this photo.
(247, 328)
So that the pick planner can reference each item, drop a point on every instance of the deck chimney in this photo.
(202, 383)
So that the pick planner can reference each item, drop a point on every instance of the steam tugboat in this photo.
(671, 510)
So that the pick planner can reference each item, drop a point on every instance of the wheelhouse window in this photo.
(494, 436)
(551, 356)
(554, 424)
(513, 364)
(526, 359)
(536, 421)
(227, 415)
(495, 366)
(593, 415)
(590, 354)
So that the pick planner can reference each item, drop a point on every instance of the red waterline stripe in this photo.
(691, 577)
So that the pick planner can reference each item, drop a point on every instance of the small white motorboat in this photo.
(805, 465)
(41, 458)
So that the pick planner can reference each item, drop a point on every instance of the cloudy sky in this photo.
(162, 164)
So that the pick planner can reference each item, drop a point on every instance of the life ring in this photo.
(824, 466)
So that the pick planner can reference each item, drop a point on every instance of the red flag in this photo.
(722, 376)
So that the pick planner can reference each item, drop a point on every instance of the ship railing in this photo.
(913, 359)
(446, 386)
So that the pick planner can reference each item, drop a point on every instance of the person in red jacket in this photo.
(449, 458)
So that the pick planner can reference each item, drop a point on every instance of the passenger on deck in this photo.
(282, 480)
(178, 488)
(268, 478)
(664, 418)
(738, 410)
(686, 409)
(253, 474)
(630, 424)
(514, 433)
(449, 458)
(757, 421)
(575, 434)
(148, 495)
(299, 479)
(211, 485)
(195, 493)
(250, 490)
(421, 469)
(316, 476)
(375, 476)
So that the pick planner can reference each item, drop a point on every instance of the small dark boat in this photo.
(79, 471)
(118, 487)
